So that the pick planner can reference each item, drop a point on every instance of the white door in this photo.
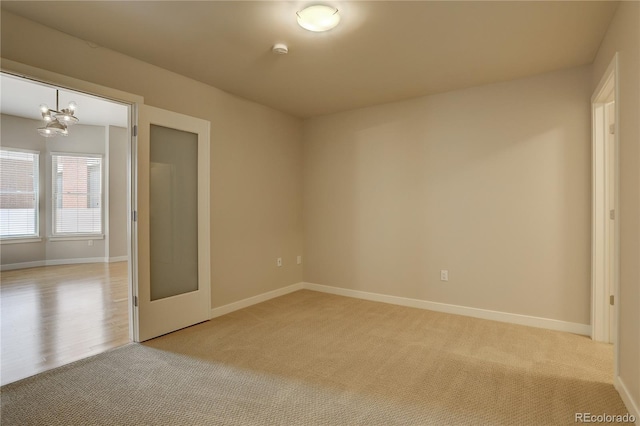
(173, 288)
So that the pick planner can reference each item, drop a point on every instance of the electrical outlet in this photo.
(279, 261)
(444, 275)
(90, 242)
(299, 260)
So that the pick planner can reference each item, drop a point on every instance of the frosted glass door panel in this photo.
(173, 221)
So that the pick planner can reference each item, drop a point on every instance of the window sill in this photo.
(77, 237)
(20, 240)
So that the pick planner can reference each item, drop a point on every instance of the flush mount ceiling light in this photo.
(57, 120)
(318, 18)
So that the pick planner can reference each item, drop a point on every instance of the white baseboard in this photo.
(23, 265)
(538, 322)
(244, 303)
(52, 262)
(631, 405)
(118, 259)
(530, 321)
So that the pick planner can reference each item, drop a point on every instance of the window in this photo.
(19, 193)
(77, 194)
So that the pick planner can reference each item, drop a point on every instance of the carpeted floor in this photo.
(310, 358)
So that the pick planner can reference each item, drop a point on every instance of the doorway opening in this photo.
(65, 231)
(605, 229)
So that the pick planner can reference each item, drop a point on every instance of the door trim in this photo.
(601, 263)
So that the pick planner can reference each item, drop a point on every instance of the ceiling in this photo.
(23, 98)
(382, 51)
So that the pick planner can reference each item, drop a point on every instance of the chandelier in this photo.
(57, 120)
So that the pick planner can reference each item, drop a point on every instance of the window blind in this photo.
(18, 193)
(77, 194)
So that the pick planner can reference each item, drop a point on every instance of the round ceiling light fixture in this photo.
(318, 18)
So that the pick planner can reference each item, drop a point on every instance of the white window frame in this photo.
(8, 239)
(65, 236)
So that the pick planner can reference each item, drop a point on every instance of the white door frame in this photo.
(602, 265)
(132, 101)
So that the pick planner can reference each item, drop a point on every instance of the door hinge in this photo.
(134, 216)
(134, 130)
(611, 300)
(135, 301)
(612, 129)
(612, 214)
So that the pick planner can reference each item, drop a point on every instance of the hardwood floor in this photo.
(54, 315)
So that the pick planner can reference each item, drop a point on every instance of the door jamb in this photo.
(600, 263)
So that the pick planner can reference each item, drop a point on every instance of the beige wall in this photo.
(623, 36)
(256, 156)
(118, 216)
(491, 183)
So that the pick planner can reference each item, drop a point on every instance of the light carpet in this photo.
(310, 358)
